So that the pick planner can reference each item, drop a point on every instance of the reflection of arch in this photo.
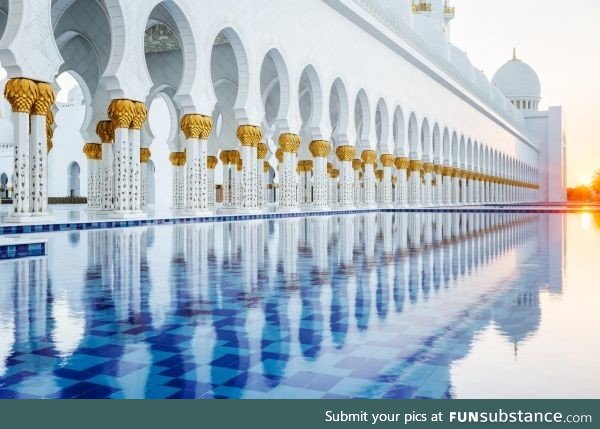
(338, 112)
(362, 117)
(73, 184)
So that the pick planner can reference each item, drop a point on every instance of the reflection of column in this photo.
(414, 183)
(289, 143)
(320, 151)
(105, 131)
(21, 94)
(402, 165)
(261, 153)
(197, 129)
(121, 113)
(249, 137)
(93, 153)
(178, 192)
(145, 155)
(346, 155)
(369, 157)
(211, 164)
(387, 160)
(141, 113)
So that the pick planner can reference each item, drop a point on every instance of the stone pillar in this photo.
(211, 164)
(333, 187)
(289, 144)
(105, 131)
(261, 153)
(320, 150)
(428, 169)
(456, 177)
(196, 129)
(265, 175)
(447, 184)
(279, 156)
(414, 183)
(237, 168)
(135, 180)
(249, 136)
(304, 170)
(145, 155)
(379, 186)
(121, 113)
(178, 161)
(387, 198)
(93, 153)
(357, 167)
(226, 178)
(402, 165)
(438, 170)
(369, 157)
(345, 155)
(21, 94)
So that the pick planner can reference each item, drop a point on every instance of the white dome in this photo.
(517, 80)
(461, 62)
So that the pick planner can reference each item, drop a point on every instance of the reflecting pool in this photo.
(388, 305)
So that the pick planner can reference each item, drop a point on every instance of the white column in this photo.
(447, 185)
(289, 144)
(357, 166)
(211, 164)
(261, 179)
(387, 160)
(249, 137)
(439, 185)
(179, 171)
(135, 180)
(105, 131)
(414, 183)
(456, 177)
(145, 155)
(369, 157)
(428, 168)
(320, 150)
(38, 162)
(345, 155)
(93, 152)
(402, 165)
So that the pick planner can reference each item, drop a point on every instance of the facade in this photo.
(349, 103)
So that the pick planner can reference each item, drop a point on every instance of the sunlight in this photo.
(585, 180)
(586, 221)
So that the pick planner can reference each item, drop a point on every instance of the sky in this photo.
(560, 39)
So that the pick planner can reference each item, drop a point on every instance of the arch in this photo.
(446, 148)
(74, 181)
(338, 112)
(275, 81)
(469, 155)
(425, 141)
(462, 152)
(399, 132)
(382, 127)
(362, 119)
(455, 156)
(4, 5)
(165, 93)
(311, 100)
(413, 137)
(437, 144)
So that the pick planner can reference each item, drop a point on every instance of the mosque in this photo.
(319, 104)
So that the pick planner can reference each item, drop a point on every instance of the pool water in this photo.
(389, 305)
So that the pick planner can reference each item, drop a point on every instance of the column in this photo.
(289, 144)
(279, 156)
(196, 129)
(135, 180)
(456, 177)
(402, 165)
(447, 185)
(261, 153)
(357, 167)
(211, 164)
(145, 155)
(178, 161)
(439, 184)
(227, 201)
(428, 169)
(320, 150)
(121, 113)
(387, 160)
(463, 186)
(333, 187)
(237, 168)
(346, 155)
(470, 187)
(249, 136)
(414, 183)
(105, 131)
(379, 187)
(21, 94)
(93, 153)
(369, 157)
(304, 190)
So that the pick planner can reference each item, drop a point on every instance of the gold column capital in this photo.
(415, 165)
(289, 143)
(345, 153)
(329, 167)
(234, 157)
(240, 164)
(44, 100)
(121, 113)
(369, 157)
(335, 174)
(211, 162)
(105, 131)
(139, 117)
(249, 135)
(145, 155)
(21, 93)
(266, 167)
(320, 148)
(357, 164)
(92, 151)
(261, 150)
(279, 155)
(387, 160)
(379, 175)
(428, 167)
(177, 159)
(402, 163)
(195, 126)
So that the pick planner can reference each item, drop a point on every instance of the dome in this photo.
(461, 62)
(517, 79)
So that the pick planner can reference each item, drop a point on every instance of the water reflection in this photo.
(377, 305)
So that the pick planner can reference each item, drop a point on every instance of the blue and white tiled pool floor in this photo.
(361, 306)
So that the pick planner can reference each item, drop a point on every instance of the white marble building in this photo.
(335, 102)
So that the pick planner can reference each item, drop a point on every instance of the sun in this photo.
(585, 180)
